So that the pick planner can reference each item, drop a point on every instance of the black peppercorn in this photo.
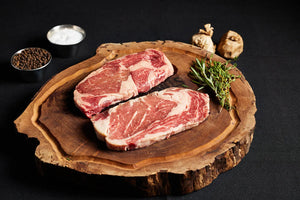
(31, 58)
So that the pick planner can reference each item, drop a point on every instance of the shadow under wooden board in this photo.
(181, 164)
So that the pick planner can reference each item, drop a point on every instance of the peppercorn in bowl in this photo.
(30, 63)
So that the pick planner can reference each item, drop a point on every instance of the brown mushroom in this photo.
(231, 45)
(203, 39)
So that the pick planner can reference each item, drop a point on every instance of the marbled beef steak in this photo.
(121, 79)
(145, 120)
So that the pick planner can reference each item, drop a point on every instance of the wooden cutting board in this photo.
(181, 164)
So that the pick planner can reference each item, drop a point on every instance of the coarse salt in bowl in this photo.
(65, 39)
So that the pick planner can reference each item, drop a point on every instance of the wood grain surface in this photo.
(181, 164)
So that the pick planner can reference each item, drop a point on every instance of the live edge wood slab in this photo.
(181, 164)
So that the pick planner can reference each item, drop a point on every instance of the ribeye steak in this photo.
(121, 79)
(145, 120)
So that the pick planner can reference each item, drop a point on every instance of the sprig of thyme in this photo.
(216, 76)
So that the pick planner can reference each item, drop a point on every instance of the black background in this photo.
(270, 62)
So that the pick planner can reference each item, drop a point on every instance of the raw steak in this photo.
(142, 121)
(121, 79)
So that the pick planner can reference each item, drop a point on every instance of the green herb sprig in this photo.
(216, 76)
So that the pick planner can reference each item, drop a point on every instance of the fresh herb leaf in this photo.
(214, 75)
